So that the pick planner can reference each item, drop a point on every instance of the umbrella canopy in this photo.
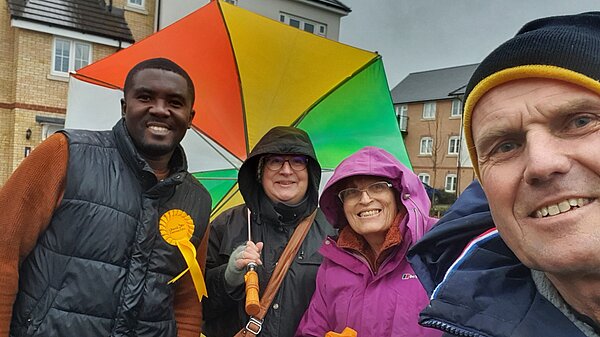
(251, 73)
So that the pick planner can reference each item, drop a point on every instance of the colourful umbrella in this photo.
(252, 73)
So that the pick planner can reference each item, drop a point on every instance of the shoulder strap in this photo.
(253, 326)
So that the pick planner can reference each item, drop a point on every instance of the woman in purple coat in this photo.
(365, 282)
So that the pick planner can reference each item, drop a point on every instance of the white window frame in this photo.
(320, 29)
(450, 183)
(453, 145)
(456, 108)
(402, 116)
(71, 58)
(50, 128)
(135, 4)
(429, 109)
(424, 178)
(424, 148)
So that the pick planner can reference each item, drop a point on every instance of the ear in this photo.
(192, 114)
(123, 107)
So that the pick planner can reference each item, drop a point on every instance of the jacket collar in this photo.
(479, 287)
(349, 239)
(130, 154)
(395, 257)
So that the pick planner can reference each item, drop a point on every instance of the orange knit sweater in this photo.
(28, 200)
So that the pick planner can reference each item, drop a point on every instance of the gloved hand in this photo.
(239, 259)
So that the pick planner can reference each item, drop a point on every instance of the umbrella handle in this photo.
(252, 298)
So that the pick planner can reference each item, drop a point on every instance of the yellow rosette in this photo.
(177, 227)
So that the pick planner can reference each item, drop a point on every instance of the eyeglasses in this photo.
(353, 194)
(297, 163)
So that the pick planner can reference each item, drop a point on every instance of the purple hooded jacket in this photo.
(348, 293)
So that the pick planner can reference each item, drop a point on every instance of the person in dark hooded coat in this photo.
(279, 182)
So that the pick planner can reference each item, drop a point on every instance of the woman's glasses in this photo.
(275, 163)
(354, 194)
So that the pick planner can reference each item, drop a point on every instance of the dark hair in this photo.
(163, 64)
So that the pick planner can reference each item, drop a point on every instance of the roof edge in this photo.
(342, 9)
(42, 27)
(445, 68)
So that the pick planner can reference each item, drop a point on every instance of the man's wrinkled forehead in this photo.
(490, 116)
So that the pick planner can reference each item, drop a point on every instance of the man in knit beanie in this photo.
(531, 123)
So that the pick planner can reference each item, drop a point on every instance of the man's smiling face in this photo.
(538, 148)
(158, 111)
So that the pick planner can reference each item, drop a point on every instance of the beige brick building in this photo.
(429, 109)
(42, 42)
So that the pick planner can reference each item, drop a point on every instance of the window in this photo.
(426, 145)
(450, 183)
(429, 110)
(69, 55)
(233, 2)
(456, 108)
(424, 178)
(136, 3)
(304, 24)
(402, 116)
(453, 145)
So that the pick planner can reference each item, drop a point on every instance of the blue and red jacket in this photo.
(477, 286)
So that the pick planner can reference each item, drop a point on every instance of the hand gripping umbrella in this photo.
(252, 288)
(251, 73)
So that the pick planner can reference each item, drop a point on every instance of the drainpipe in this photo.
(157, 16)
(461, 98)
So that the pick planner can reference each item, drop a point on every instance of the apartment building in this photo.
(320, 17)
(429, 109)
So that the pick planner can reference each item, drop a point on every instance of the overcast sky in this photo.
(417, 35)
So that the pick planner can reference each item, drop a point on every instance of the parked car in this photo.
(433, 193)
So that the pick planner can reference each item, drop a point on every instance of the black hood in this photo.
(279, 140)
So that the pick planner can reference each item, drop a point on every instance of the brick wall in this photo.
(7, 92)
(6, 142)
(141, 24)
(33, 67)
(141, 21)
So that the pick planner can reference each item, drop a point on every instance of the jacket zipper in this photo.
(362, 258)
(357, 254)
(420, 230)
(432, 323)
